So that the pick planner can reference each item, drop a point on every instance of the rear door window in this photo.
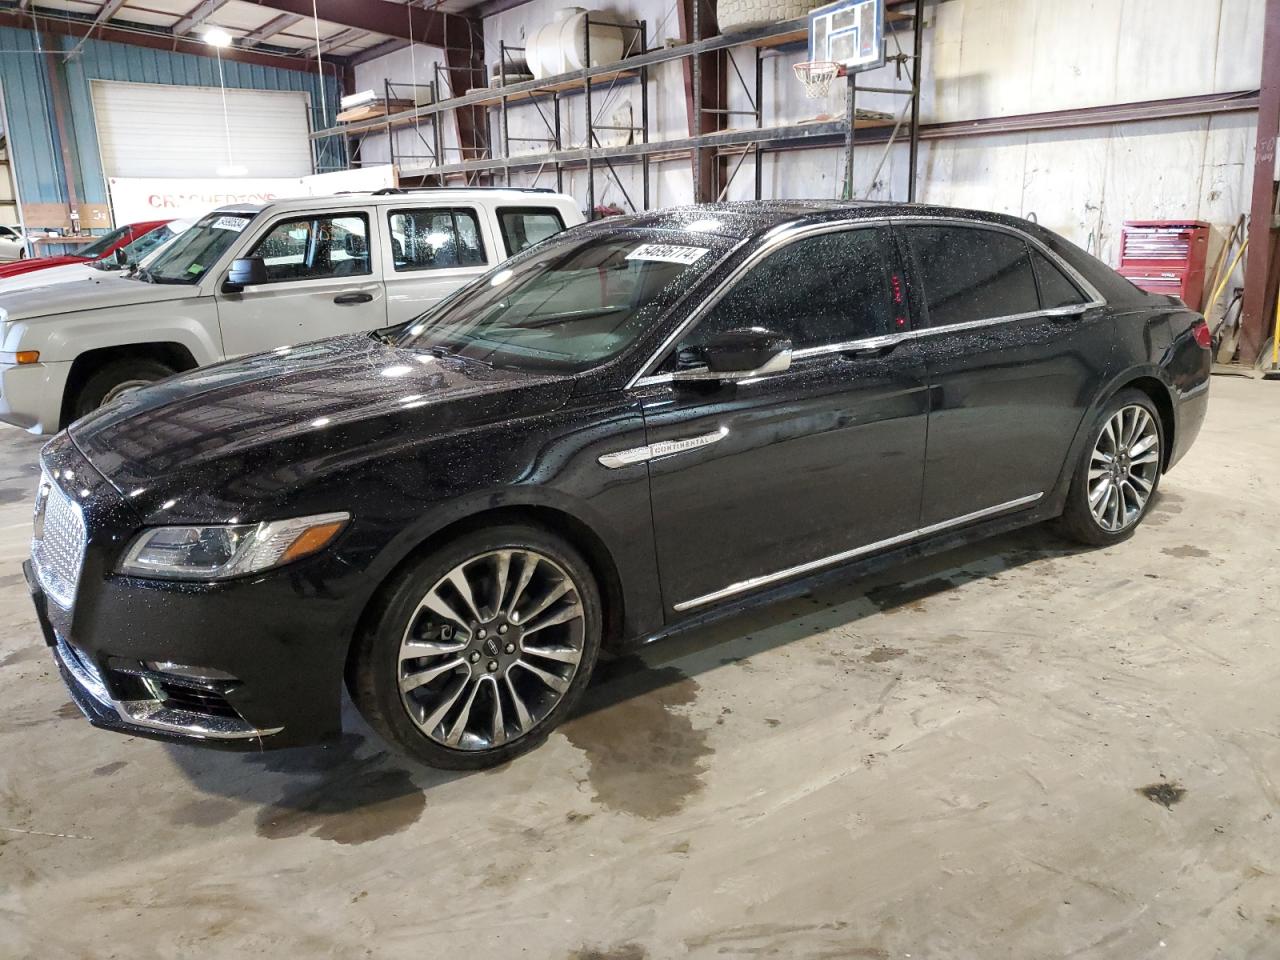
(1056, 289)
(524, 226)
(970, 273)
(436, 239)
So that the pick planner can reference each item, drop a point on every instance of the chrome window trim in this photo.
(753, 583)
(788, 235)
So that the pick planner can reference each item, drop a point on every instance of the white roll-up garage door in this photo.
(159, 130)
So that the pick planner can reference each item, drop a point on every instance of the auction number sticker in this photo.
(667, 253)
(231, 223)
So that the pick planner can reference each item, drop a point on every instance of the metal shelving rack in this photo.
(552, 92)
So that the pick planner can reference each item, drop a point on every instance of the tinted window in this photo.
(524, 226)
(435, 239)
(312, 248)
(1055, 289)
(972, 274)
(826, 289)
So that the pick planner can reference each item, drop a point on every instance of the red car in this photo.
(100, 249)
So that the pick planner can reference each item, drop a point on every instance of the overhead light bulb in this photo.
(217, 37)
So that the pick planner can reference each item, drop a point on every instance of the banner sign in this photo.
(138, 199)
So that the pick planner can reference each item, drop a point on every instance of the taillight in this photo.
(1200, 333)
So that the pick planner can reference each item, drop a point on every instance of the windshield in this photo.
(192, 253)
(572, 304)
(100, 246)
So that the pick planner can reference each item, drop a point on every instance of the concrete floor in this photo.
(1014, 750)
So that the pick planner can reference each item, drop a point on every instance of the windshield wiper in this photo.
(444, 354)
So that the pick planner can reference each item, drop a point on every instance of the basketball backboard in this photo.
(849, 32)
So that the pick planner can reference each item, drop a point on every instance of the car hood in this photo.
(76, 270)
(31, 264)
(97, 293)
(235, 438)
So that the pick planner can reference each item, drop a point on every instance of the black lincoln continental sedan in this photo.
(635, 425)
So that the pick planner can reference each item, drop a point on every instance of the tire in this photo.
(472, 662)
(1114, 516)
(106, 382)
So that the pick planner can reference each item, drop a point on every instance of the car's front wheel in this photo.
(1118, 472)
(478, 650)
(114, 378)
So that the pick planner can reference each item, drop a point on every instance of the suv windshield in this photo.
(102, 244)
(192, 253)
(570, 305)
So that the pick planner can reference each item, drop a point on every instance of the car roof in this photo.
(740, 219)
(397, 197)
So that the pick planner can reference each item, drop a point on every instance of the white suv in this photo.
(249, 278)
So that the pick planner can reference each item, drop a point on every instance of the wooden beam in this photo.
(1260, 271)
(197, 16)
(378, 16)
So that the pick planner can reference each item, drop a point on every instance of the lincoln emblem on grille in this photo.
(42, 501)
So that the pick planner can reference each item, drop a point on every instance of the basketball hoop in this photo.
(816, 75)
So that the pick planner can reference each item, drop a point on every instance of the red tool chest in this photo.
(1166, 256)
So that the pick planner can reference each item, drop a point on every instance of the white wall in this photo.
(983, 58)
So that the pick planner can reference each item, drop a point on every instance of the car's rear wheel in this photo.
(478, 650)
(116, 377)
(1118, 473)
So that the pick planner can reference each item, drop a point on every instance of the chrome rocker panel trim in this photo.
(753, 583)
(153, 714)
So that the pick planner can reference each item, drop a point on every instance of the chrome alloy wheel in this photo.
(491, 649)
(1123, 468)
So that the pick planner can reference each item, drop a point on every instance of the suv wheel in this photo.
(117, 377)
(480, 649)
(1118, 473)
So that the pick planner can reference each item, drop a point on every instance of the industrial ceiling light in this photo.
(217, 37)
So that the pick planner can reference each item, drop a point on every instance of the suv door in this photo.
(801, 469)
(430, 252)
(325, 279)
(1011, 348)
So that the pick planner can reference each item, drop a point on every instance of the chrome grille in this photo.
(57, 547)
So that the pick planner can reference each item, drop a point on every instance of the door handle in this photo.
(872, 347)
(354, 297)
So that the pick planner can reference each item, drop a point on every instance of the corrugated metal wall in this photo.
(33, 132)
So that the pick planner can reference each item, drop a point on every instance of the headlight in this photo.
(228, 550)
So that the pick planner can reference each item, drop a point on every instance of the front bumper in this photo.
(247, 664)
(31, 395)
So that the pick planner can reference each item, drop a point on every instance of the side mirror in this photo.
(739, 354)
(245, 272)
(120, 257)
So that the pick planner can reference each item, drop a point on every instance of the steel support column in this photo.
(464, 60)
(1260, 273)
(706, 95)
